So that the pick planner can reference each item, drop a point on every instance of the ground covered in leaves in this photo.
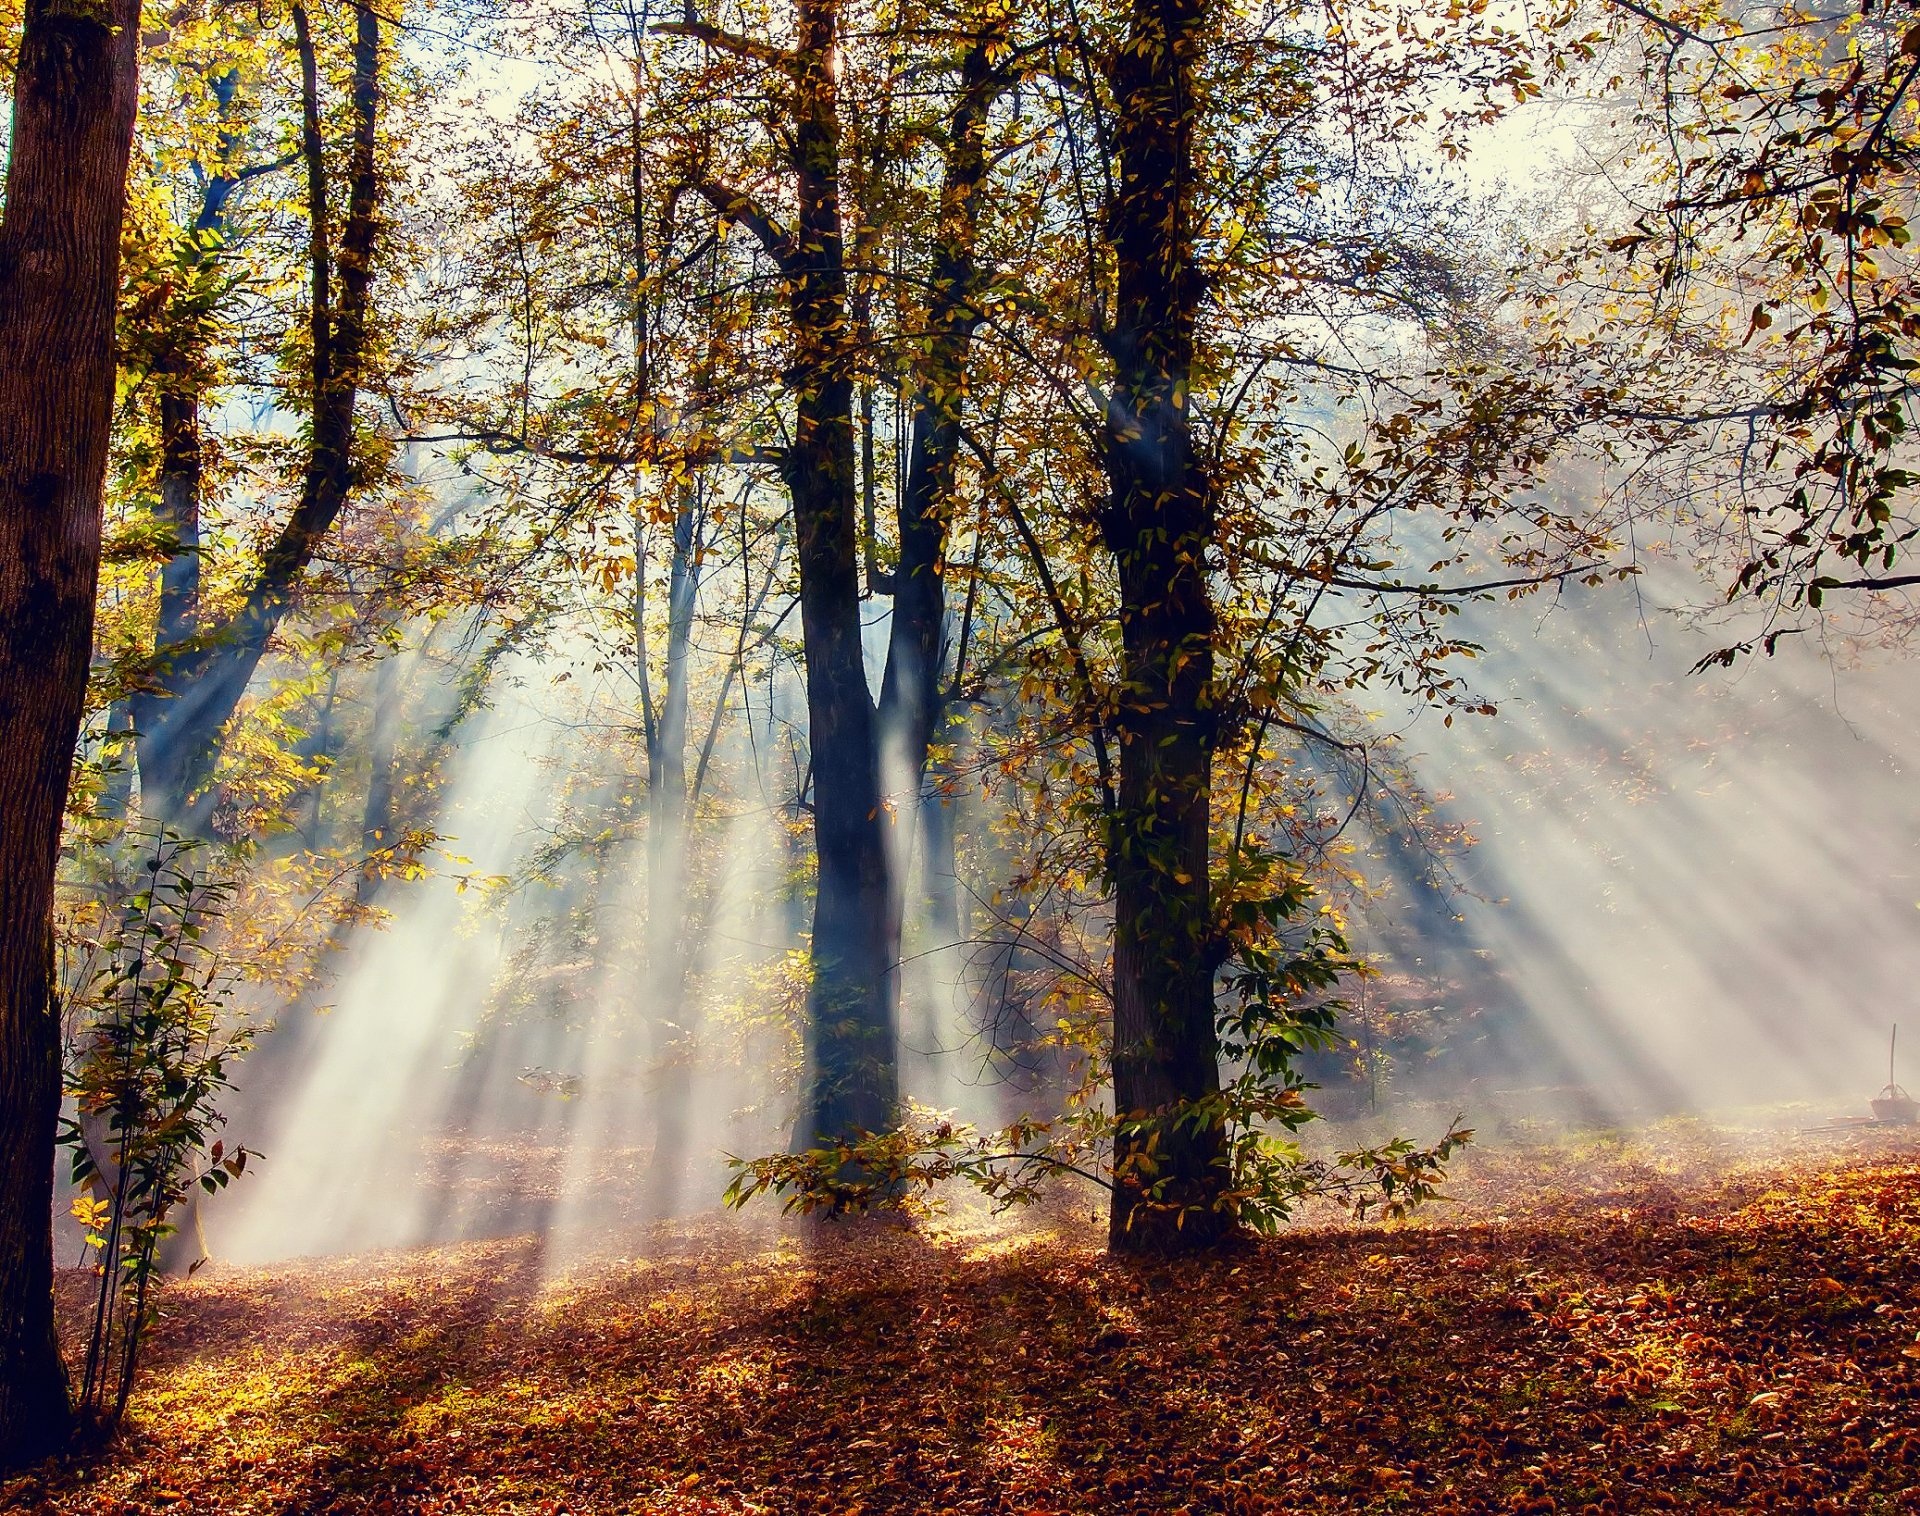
(1671, 1321)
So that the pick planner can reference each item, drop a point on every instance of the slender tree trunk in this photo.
(853, 1080)
(73, 107)
(165, 779)
(916, 649)
(200, 685)
(940, 869)
(180, 379)
(911, 703)
(116, 749)
(1157, 523)
(666, 865)
(383, 770)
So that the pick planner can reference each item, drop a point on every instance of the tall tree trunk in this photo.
(73, 108)
(116, 751)
(180, 379)
(911, 703)
(1157, 523)
(383, 771)
(940, 869)
(200, 684)
(854, 1082)
(910, 700)
(666, 865)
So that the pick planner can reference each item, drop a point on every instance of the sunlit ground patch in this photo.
(1666, 1319)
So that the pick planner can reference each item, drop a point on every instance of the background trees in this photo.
(948, 486)
(1765, 161)
(204, 662)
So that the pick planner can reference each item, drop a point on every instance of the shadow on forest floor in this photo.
(1621, 1335)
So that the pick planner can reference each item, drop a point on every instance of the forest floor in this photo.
(1684, 1318)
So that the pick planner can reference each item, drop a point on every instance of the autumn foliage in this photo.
(1666, 1322)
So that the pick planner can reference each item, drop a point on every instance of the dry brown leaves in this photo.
(1610, 1334)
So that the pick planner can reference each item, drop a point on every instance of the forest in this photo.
(871, 756)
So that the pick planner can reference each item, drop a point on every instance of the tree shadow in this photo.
(1602, 1359)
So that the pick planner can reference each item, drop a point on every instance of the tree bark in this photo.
(1157, 523)
(911, 698)
(200, 684)
(666, 862)
(853, 1083)
(73, 109)
(910, 701)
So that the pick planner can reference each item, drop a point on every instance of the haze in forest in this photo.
(616, 616)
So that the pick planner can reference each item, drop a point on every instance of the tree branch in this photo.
(730, 42)
(732, 204)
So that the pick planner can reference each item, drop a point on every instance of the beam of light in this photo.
(1700, 890)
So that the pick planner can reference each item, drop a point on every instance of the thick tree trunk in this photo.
(73, 108)
(1157, 523)
(200, 684)
(853, 1082)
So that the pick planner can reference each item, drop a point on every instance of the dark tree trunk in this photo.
(199, 684)
(1157, 523)
(911, 703)
(854, 1082)
(179, 376)
(73, 108)
(916, 649)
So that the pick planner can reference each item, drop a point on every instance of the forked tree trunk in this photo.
(1157, 523)
(73, 109)
(854, 1080)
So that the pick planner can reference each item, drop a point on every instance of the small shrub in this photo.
(149, 1047)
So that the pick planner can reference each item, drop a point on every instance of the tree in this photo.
(75, 92)
(1157, 523)
(1765, 175)
(912, 698)
(204, 664)
(853, 1079)
(1168, 370)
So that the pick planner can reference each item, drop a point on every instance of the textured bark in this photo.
(1157, 523)
(854, 1083)
(200, 684)
(73, 110)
